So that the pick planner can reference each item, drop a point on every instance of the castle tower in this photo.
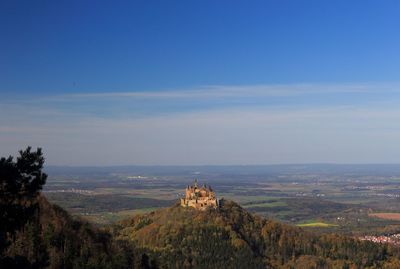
(199, 198)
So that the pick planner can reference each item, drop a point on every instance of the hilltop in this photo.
(231, 237)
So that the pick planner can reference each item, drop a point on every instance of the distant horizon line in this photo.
(214, 165)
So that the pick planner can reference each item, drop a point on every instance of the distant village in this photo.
(72, 190)
(393, 239)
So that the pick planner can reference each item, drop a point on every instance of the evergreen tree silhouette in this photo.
(20, 183)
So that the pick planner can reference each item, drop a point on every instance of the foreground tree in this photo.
(20, 183)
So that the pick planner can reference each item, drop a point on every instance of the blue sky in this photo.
(201, 82)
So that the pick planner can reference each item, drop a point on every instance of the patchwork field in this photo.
(388, 216)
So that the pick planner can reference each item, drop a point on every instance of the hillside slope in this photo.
(230, 237)
(53, 239)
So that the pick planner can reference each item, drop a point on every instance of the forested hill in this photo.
(176, 237)
(230, 237)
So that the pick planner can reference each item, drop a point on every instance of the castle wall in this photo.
(199, 198)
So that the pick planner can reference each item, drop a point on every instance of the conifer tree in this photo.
(20, 183)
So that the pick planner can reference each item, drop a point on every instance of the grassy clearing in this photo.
(317, 224)
(104, 218)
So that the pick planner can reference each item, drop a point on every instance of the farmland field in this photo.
(388, 216)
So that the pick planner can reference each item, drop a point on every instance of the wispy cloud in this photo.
(234, 91)
(214, 97)
(226, 136)
(245, 125)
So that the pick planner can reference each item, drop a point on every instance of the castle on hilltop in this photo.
(199, 198)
